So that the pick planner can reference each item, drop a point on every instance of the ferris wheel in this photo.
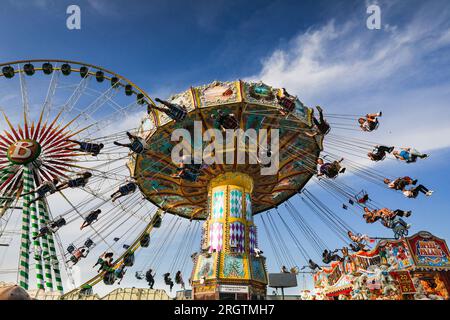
(59, 168)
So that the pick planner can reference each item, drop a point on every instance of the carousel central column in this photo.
(228, 267)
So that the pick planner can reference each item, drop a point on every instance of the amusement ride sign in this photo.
(23, 151)
(233, 289)
(430, 251)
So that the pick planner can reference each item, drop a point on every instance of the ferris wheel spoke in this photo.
(76, 210)
(57, 133)
(10, 138)
(117, 115)
(51, 91)
(8, 180)
(24, 94)
(76, 95)
(111, 102)
(99, 102)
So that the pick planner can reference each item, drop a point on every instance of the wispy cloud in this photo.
(350, 69)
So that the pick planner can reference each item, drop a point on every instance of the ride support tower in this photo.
(229, 240)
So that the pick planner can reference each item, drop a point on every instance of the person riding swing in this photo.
(78, 254)
(44, 188)
(137, 144)
(370, 122)
(189, 170)
(330, 256)
(120, 273)
(358, 241)
(322, 127)
(385, 214)
(124, 190)
(225, 121)
(286, 101)
(400, 183)
(174, 111)
(329, 169)
(179, 279)
(93, 148)
(312, 265)
(79, 181)
(150, 278)
(414, 192)
(51, 227)
(105, 261)
(168, 281)
(409, 155)
(91, 218)
(187, 174)
(379, 153)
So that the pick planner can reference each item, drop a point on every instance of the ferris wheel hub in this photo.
(23, 151)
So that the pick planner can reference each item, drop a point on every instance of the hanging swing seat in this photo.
(109, 278)
(128, 259)
(145, 240)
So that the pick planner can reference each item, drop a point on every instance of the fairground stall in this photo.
(416, 267)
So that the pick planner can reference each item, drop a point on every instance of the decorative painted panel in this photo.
(258, 271)
(217, 93)
(233, 267)
(248, 207)
(236, 203)
(252, 238)
(218, 204)
(216, 236)
(204, 239)
(429, 251)
(205, 267)
(237, 236)
(396, 253)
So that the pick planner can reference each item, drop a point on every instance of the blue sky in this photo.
(319, 50)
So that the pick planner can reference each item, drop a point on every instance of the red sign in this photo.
(429, 251)
(23, 151)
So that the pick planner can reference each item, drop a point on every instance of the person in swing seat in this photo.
(329, 169)
(168, 280)
(79, 181)
(136, 145)
(225, 121)
(330, 256)
(124, 190)
(385, 214)
(91, 218)
(93, 148)
(322, 127)
(43, 189)
(400, 183)
(179, 279)
(311, 265)
(409, 155)
(174, 111)
(414, 192)
(150, 278)
(286, 101)
(370, 122)
(379, 153)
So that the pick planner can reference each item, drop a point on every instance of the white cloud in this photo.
(349, 69)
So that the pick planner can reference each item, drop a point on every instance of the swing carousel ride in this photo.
(87, 175)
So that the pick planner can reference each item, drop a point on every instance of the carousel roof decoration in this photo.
(251, 102)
